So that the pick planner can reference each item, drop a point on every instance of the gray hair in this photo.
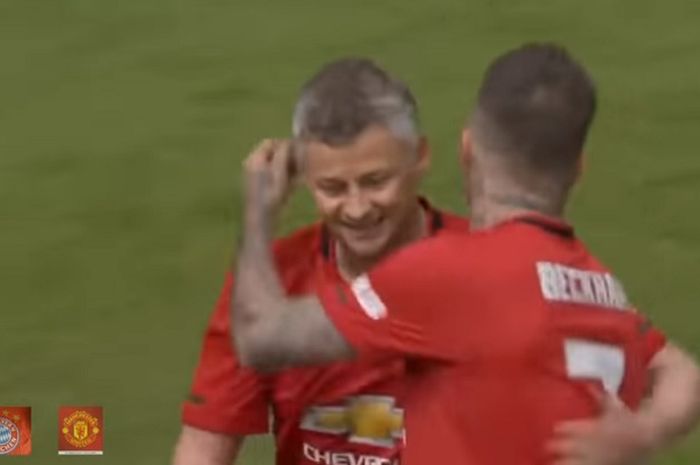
(349, 95)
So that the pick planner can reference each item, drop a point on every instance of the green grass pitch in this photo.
(122, 128)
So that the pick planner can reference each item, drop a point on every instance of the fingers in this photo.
(569, 451)
(282, 162)
(570, 442)
(596, 391)
(260, 157)
(568, 461)
(606, 400)
(611, 402)
(575, 428)
(566, 448)
(276, 154)
(269, 170)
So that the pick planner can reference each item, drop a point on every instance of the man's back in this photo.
(535, 324)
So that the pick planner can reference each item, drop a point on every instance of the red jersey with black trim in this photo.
(342, 413)
(528, 323)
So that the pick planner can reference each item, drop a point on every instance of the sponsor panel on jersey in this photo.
(367, 419)
(325, 457)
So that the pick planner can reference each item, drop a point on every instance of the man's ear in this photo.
(465, 149)
(300, 162)
(425, 154)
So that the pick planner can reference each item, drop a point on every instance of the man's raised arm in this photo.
(272, 331)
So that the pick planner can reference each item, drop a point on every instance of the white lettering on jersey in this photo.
(316, 455)
(565, 284)
(595, 360)
(368, 299)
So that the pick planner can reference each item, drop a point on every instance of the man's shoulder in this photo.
(452, 249)
(435, 254)
(442, 219)
(454, 222)
(300, 245)
(305, 237)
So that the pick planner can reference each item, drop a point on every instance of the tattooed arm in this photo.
(271, 330)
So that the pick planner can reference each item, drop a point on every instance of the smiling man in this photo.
(507, 331)
(364, 157)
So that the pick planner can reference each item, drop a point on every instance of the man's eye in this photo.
(332, 189)
(375, 181)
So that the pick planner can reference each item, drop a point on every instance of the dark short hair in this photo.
(347, 96)
(535, 105)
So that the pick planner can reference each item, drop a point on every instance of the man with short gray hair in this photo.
(363, 156)
(347, 96)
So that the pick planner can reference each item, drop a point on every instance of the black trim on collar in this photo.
(325, 242)
(548, 225)
(436, 220)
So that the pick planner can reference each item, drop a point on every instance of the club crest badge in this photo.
(15, 431)
(80, 431)
(9, 436)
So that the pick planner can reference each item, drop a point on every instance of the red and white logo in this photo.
(9, 436)
(368, 298)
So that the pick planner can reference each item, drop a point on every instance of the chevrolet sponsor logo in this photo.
(364, 419)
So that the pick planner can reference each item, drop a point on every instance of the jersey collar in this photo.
(546, 223)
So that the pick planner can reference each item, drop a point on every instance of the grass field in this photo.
(122, 125)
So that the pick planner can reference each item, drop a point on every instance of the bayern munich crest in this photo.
(9, 436)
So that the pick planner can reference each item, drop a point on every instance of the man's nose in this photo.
(356, 206)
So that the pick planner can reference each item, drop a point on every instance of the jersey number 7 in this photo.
(587, 359)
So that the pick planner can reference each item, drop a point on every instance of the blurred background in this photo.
(122, 128)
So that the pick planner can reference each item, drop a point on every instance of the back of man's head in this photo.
(534, 109)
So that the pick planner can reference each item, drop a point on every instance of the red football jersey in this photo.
(506, 331)
(340, 413)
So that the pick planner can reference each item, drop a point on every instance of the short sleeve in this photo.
(225, 397)
(653, 341)
(396, 308)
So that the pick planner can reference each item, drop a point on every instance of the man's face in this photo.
(366, 191)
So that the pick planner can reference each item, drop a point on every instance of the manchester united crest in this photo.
(80, 430)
